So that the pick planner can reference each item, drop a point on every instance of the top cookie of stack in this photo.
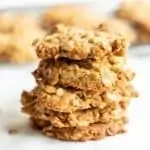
(76, 43)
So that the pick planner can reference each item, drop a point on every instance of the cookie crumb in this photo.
(13, 131)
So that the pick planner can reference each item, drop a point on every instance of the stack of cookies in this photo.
(83, 87)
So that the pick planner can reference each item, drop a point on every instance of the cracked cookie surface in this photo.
(77, 118)
(80, 76)
(92, 132)
(69, 100)
(76, 43)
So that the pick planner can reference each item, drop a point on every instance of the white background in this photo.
(24, 3)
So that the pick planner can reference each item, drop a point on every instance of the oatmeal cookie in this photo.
(77, 118)
(77, 16)
(16, 38)
(137, 11)
(6, 22)
(143, 37)
(92, 132)
(80, 76)
(4, 42)
(76, 43)
(69, 100)
(119, 25)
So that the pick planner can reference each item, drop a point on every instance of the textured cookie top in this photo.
(76, 43)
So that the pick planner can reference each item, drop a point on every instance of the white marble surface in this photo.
(37, 3)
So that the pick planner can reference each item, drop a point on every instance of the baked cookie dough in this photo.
(94, 131)
(77, 44)
(79, 117)
(137, 13)
(119, 25)
(17, 32)
(69, 100)
(70, 74)
(70, 15)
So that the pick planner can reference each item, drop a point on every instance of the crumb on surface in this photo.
(13, 131)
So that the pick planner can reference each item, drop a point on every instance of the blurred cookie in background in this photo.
(17, 33)
(71, 15)
(6, 22)
(137, 13)
(74, 15)
(143, 36)
(119, 25)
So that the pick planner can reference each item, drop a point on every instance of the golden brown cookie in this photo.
(111, 111)
(6, 22)
(119, 25)
(92, 132)
(4, 42)
(76, 43)
(70, 15)
(79, 76)
(137, 12)
(69, 100)
(17, 36)
(143, 37)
